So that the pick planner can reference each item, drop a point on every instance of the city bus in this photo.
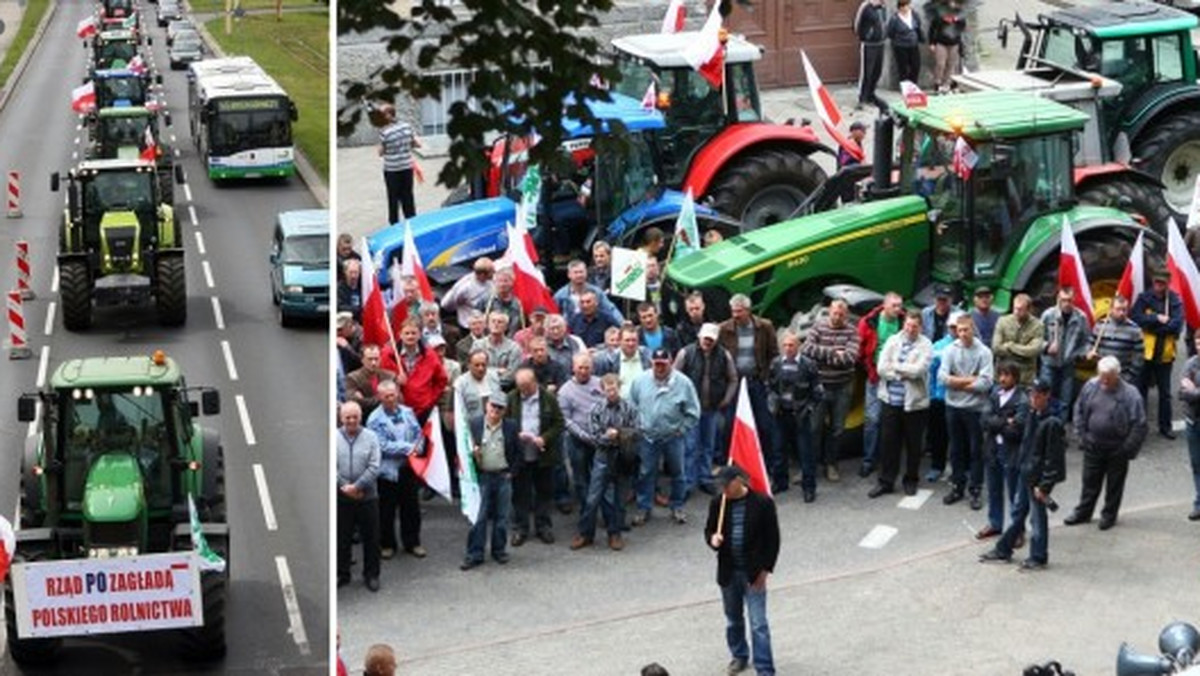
(241, 119)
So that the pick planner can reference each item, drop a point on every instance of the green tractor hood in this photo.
(114, 491)
(120, 234)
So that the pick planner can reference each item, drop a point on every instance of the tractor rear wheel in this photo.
(75, 293)
(171, 291)
(1142, 199)
(1103, 254)
(30, 651)
(1170, 151)
(766, 187)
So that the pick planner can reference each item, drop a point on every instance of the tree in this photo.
(528, 57)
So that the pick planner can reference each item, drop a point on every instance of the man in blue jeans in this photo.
(1043, 464)
(743, 529)
(497, 458)
(668, 409)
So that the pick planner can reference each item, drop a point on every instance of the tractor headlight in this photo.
(111, 552)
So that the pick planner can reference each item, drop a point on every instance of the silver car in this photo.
(186, 48)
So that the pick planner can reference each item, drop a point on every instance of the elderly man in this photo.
(833, 345)
(601, 273)
(1019, 338)
(469, 290)
(794, 392)
(668, 409)
(752, 343)
(349, 342)
(539, 418)
(362, 385)
(358, 460)
(477, 383)
(476, 331)
(502, 299)
(577, 397)
(504, 355)
(399, 434)
(561, 345)
(710, 368)
(497, 458)
(1110, 420)
(1119, 336)
(349, 291)
(406, 303)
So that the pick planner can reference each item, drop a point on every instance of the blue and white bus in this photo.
(241, 119)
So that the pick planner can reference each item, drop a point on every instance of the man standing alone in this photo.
(869, 26)
(396, 143)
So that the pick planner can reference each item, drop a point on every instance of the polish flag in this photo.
(410, 264)
(744, 449)
(137, 65)
(964, 160)
(707, 55)
(913, 96)
(827, 109)
(673, 20)
(1133, 280)
(150, 148)
(86, 27)
(83, 98)
(528, 283)
(376, 330)
(649, 98)
(1185, 279)
(1072, 274)
(433, 467)
(8, 546)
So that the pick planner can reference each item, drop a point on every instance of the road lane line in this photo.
(229, 360)
(916, 501)
(264, 496)
(79, 127)
(43, 363)
(878, 537)
(200, 243)
(244, 414)
(50, 318)
(208, 278)
(54, 281)
(192, 214)
(187, 192)
(76, 140)
(75, 155)
(217, 314)
(293, 605)
(173, 139)
(177, 153)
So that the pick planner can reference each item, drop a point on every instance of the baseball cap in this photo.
(729, 473)
(660, 355)
(498, 400)
(540, 310)
(1160, 274)
(983, 291)
(709, 330)
(857, 125)
(943, 291)
(1040, 385)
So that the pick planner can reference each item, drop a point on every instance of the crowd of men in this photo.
(580, 410)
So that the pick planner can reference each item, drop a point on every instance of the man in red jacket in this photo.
(873, 331)
(422, 376)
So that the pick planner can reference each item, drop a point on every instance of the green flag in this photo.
(687, 234)
(531, 189)
(209, 560)
(468, 480)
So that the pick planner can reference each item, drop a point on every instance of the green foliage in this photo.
(34, 10)
(529, 57)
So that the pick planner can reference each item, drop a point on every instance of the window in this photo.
(1168, 63)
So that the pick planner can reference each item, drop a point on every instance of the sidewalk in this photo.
(11, 12)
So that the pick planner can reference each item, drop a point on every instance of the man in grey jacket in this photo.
(1066, 340)
(904, 391)
(966, 372)
(358, 459)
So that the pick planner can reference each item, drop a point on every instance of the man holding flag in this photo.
(1159, 311)
(496, 457)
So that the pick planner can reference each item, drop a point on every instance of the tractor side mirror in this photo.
(1002, 33)
(54, 182)
(158, 78)
(27, 408)
(210, 402)
(149, 40)
(179, 177)
(167, 119)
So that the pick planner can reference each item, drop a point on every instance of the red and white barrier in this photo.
(18, 346)
(23, 270)
(14, 194)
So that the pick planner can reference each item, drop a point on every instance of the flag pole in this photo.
(1100, 336)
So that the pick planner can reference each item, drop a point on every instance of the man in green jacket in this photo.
(540, 421)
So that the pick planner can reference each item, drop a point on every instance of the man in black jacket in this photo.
(1003, 424)
(497, 458)
(743, 529)
(1043, 464)
(869, 26)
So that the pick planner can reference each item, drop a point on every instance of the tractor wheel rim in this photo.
(1179, 175)
(771, 206)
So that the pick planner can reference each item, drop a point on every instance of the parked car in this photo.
(300, 272)
(188, 47)
(180, 25)
(168, 11)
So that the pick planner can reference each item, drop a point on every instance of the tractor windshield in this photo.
(129, 90)
(623, 179)
(1136, 61)
(130, 420)
(118, 7)
(118, 132)
(114, 54)
(119, 191)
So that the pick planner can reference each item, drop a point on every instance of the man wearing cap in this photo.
(904, 392)
(966, 372)
(1159, 311)
(874, 329)
(1043, 464)
(611, 428)
(399, 434)
(751, 342)
(539, 418)
(1119, 336)
(668, 409)
(1110, 420)
(794, 392)
(652, 334)
(1019, 338)
(497, 458)
(743, 529)
(567, 298)
(934, 317)
(983, 314)
(469, 290)
(358, 495)
(833, 344)
(1066, 340)
(710, 368)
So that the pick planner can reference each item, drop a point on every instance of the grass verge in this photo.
(34, 11)
(295, 52)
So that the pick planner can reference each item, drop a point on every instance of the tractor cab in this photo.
(693, 110)
(114, 49)
(113, 209)
(116, 88)
(125, 133)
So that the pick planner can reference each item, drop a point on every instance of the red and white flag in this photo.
(1072, 274)
(827, 110)
(83, 98)
(1133, 280)
(86, 27)
(649, 98)
(1185, 279)
(528, 283)
(374, 313)
(433, 467)
(8, 546)
(744, 449)
(913, 96)
(676, 14)
(707, 55)
(410, 264)
(137, 65)
(964, 160)
(149, 147)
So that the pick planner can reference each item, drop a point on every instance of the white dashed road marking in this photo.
(228, 351)
(264, 495)
(43, 363)
(878, 537)
(244, 414)
(217, 314)
(200, 243)
(50, 318)
(54, 281)
(293, 605)
(208, 278)
(192, 214)
(187, 192)
(915, 501)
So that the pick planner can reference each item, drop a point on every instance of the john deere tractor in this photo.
(119, 242)
(114, 473)
(997, 225)
(115, 49)
(131, 132)
(1131, 66)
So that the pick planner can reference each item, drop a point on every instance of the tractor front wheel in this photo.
(75, 292)
(171, 292)
(766, 187)
(1170, 151)
(1103, 255)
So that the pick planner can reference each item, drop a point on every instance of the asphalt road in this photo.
(274, 383)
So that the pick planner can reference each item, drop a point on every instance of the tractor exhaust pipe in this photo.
(881, 172)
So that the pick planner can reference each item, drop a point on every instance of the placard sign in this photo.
(107, 596)
(629, 273)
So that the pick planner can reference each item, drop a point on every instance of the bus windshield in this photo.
(236, 130)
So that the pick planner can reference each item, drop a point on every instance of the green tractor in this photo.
(120, 472)
(132, 132)
(1000, 226)
(119, 242)
(1131, 66)
(115, 49)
